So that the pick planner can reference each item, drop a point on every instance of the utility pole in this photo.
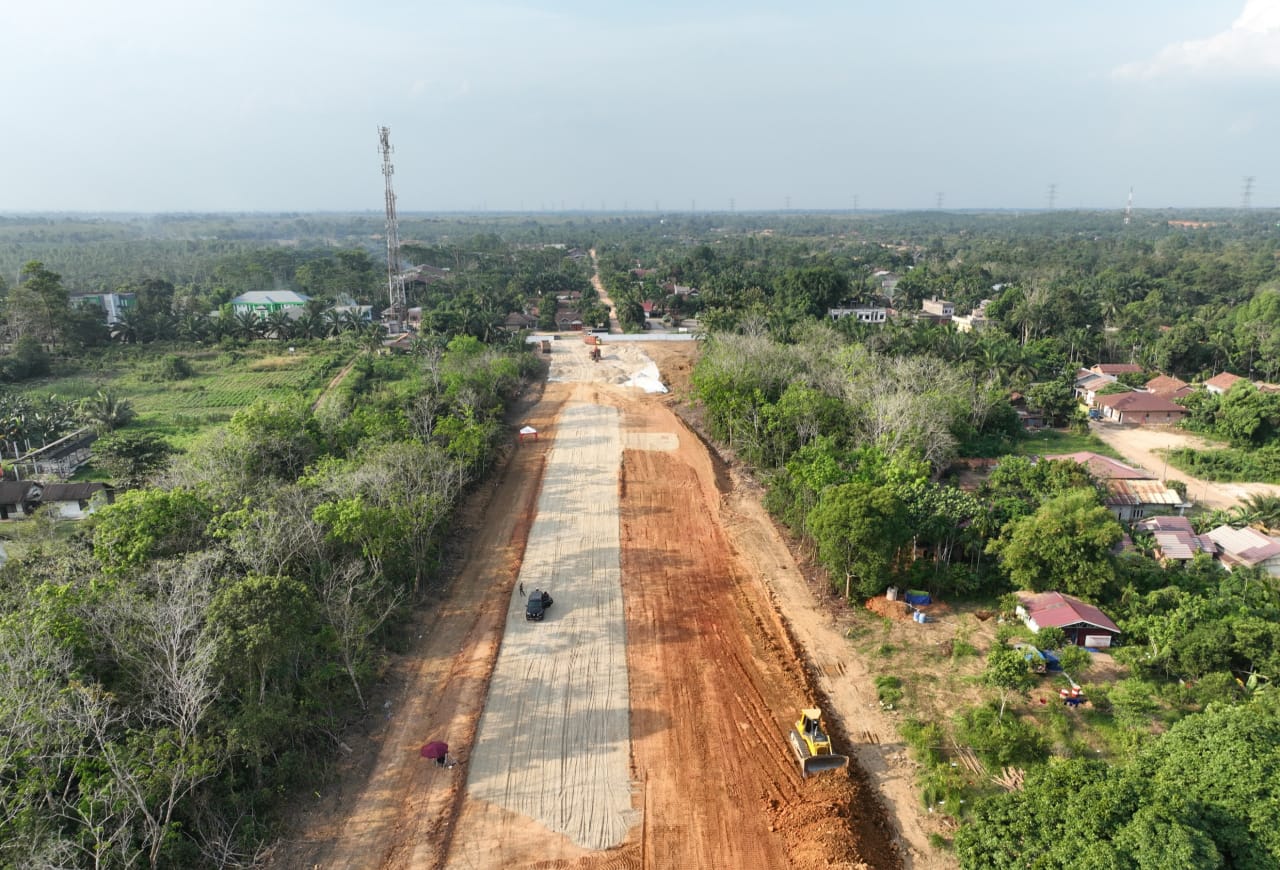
(399, 309)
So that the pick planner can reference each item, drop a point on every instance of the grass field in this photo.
(1051, 441)
(221, 381)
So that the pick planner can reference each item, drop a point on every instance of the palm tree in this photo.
(1263, 509)
(278, 325)
(247, 325)
(105, 411)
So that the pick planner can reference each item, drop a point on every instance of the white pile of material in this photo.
(646, 379)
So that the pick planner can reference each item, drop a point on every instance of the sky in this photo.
(672, 105)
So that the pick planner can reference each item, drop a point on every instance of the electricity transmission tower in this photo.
(1246, 195)
(399, 309)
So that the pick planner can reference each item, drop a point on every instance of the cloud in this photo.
(1250, 47)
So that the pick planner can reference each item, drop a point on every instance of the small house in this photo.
(1175, 539)
(1246, 547)
(1221, 384)
(1083, 624)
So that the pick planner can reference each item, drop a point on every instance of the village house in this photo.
(1130, 493)
(863, 314)
(1221, 384)
(1175, 539)
(1088, 383)
(975, 321)
(1140, 409)
(937, 310)
(1167, 387)
(1083, 624)
(65, 500)
(1115, 369)
(1246, 547)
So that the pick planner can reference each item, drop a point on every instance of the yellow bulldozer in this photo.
(813, 745)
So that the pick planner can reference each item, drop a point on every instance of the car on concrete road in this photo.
(536, 609)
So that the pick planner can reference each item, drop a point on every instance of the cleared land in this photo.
(678, 760)
(1145, 446)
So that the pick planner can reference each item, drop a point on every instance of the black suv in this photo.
(539, 601)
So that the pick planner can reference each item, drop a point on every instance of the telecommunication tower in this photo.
(1053, 195)
(1246, 195)
(399, 309)
(1128, 209)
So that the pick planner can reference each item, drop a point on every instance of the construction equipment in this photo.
(812, 744)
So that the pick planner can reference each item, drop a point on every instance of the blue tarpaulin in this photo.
(917, 597)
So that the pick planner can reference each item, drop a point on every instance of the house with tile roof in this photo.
(1083, 624)
(1220, 384)
(1140, 409)
(1117, 369)
(1167, 387)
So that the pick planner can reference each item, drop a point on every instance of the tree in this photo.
(105, 411)
(1064, 546)
(859, 529)
(258, 622)
(1008, 671)
(147, 524)
(39, 307)
(131, 457)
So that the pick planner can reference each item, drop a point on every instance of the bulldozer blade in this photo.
(822, 763)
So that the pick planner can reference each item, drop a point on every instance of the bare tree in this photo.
(355, 607)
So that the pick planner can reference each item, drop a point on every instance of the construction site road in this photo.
(643, 723)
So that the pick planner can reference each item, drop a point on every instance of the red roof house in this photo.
(1221, 383)
(1084, 624)
(1117, 369)
(1168, 387)
(1140, 409)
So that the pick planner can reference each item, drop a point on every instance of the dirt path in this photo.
(333, 383)
(614, 326)
(1143, 447)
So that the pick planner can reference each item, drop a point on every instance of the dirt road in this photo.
(614, 326)
(1144, 447)
(678, 759)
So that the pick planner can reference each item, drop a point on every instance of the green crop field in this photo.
(220, 382)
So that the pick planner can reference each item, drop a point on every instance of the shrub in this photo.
(889, 690)
(173, 367)
(1000, 741)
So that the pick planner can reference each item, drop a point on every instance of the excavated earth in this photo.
(643, 723)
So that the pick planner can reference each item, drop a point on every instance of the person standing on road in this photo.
(522, 590)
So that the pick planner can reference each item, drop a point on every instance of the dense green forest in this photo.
(172, 666)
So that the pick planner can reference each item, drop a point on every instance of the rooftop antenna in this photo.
(1128, 209)
(1053, 194)
(399, 309)
(1246, 195)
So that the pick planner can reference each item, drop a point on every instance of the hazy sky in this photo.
(274, 105)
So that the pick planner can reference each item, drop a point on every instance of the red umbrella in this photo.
(435, 749)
